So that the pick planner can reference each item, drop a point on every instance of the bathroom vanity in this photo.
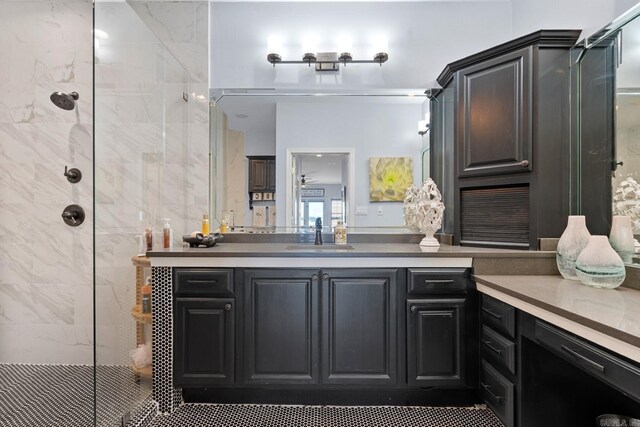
(386, 323)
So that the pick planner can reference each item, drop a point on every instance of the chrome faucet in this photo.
(318, 231)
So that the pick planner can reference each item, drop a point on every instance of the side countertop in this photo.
(608, 317)
(360, 250)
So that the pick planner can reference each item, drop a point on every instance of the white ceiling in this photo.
(260, 111)
(321, 170)
(362, 1)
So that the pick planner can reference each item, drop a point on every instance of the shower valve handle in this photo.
(73, 215)
(73, 175)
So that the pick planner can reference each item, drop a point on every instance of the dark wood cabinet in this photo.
(321, 329)
(262, 174)
(281, 326)
(495, 115)
(359, 326)
(511, 141)
(436, 342)
(204, 341)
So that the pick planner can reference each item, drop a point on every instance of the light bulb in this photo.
(274, 45)
(380, 44)
(345, 44)
(310, 44)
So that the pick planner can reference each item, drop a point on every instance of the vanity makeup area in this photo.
(521, 136)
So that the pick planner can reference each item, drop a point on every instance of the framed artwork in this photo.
(389, 178)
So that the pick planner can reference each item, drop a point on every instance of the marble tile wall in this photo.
(151, 158)
(45, 266)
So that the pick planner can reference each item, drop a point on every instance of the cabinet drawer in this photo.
(203, 281)
(498, 393)
(437, 280)
(497, 349)
(498, 315)
(609, 368)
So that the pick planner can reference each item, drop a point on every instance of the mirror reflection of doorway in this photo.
(310, 211)
(318, 187)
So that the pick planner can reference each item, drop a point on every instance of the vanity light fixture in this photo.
(331, 60)
(327, 61)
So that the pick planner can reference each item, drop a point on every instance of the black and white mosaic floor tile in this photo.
(62, 395)
(213, 415)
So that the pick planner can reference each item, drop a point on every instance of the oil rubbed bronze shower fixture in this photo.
(66, 101)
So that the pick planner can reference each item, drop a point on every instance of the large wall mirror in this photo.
(282, 160)
(607, 131)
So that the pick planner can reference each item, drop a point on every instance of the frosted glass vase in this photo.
(621, 237)
(574, 239)
(599, 265)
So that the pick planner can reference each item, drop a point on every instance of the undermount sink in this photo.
(328, 247)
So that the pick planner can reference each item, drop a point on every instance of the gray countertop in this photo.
(613, 312)
(359, 250)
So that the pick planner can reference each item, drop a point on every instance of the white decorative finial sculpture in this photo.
(626, 202)
(423, 210)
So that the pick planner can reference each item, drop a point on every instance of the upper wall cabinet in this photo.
(262, 174)
(495, 121)
(510, 150)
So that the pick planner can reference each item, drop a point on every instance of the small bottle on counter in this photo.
(167, 234)
(224, 226)
(340, 234)
(206, 227)
(146, 296)
(148, 238)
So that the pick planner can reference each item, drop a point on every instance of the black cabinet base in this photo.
(350, 397)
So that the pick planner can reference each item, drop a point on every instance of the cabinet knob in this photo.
(314, 277)
(227, 307)
(413, 308)
(325, 276)
(524, 163)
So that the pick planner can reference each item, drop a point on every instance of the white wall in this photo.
(423, 37)
(586, 15)
(373, 130)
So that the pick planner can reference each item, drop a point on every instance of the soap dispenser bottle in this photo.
(167, 234)
(146, 296)
(206, 227)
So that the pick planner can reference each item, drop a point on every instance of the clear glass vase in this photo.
(599, 265)
(574, 239)
(621, 237)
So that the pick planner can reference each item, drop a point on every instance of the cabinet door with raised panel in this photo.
(359, 326)
(281, 320)
(258, 175)
(495, 113)
(204, 344)
(435, 342)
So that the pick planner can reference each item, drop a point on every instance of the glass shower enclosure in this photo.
(104, 128)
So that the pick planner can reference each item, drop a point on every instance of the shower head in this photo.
(66, 101)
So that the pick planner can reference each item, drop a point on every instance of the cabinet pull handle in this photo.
(413, 308)
(491, 313)
(524, 163)
(490, 347)
(325, 276)
(227, 307)
(212, 281)
(590, 363)
(488, 388)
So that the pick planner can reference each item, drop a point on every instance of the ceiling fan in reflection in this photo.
(304, 181)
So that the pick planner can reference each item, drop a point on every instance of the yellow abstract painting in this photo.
(389, 178)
